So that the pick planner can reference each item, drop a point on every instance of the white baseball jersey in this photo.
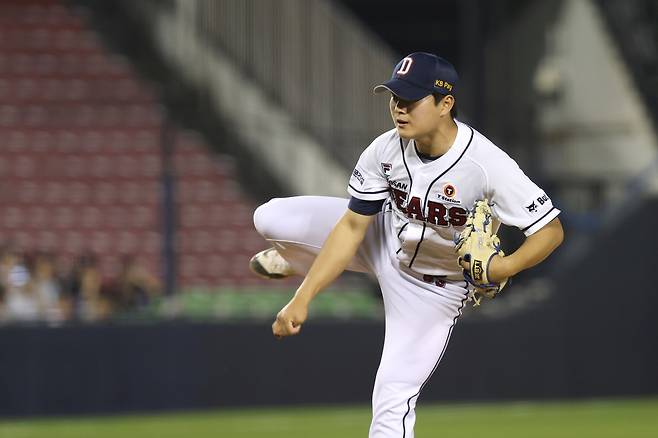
(430, 200)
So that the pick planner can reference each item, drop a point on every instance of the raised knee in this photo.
(264, 218)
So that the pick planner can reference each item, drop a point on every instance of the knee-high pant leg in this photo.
(419, 323)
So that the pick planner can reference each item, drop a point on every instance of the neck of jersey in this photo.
(425, 158)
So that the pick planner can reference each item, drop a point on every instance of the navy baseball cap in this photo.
(421, 74)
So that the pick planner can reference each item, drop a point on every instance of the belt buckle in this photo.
(437, 280)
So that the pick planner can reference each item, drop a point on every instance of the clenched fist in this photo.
(290, 319)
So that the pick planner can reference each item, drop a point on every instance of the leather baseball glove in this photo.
(477, 244)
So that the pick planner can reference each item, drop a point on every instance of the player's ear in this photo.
(447, 103)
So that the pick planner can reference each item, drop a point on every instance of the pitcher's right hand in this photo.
(290, 319)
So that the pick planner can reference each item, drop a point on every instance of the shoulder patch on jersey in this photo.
(386, 167)
(534, 205)
(358, 176)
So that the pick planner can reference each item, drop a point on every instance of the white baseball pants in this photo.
(420, 316)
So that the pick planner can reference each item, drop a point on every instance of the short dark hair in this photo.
(454, 112)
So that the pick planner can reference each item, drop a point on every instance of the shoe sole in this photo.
(259, 270)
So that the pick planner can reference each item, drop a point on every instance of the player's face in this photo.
(417, 118)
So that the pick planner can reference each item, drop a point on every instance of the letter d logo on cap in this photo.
(406, 65)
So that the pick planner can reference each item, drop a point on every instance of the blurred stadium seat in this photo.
(81, 164)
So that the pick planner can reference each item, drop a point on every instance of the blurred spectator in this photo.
(45, 284)
(33, 289)
(134, 288)
(4, 275)
(2, 300)
(20, 301)
(7, 261)
(84, 289)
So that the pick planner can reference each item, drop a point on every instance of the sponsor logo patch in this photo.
(443, 84)
(449, 190)
(358, 176)
(386, 167)
(533, 207)
(477, 270)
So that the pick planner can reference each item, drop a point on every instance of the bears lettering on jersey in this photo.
(437, 213)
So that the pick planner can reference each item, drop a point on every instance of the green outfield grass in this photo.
(600, 419)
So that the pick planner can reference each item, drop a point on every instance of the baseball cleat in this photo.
(269, 264)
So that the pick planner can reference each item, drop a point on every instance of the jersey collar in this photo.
(455, 151)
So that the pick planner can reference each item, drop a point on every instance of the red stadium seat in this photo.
(80, 161)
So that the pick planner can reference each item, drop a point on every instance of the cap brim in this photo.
(403, 89)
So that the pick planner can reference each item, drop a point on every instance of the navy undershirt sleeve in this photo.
(366, 208)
